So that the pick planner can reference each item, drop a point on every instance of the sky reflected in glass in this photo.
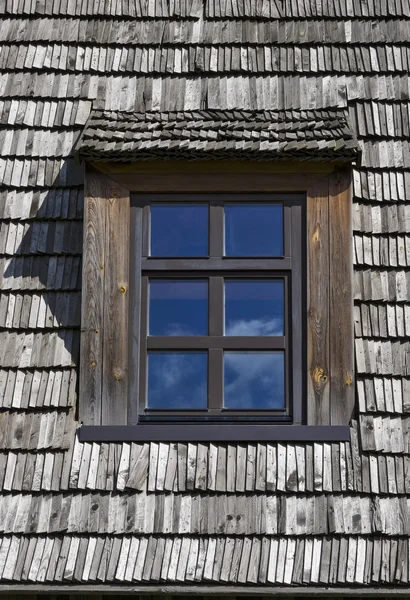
(254, 307)
(253, 229)
(177, 380)
(179, 229)
(254, 380)
(178, 307)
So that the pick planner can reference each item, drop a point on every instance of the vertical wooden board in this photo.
(116, 294)
(341, 298)
(318, 303)
(92, 298)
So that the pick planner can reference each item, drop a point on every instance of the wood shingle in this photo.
(257, 514)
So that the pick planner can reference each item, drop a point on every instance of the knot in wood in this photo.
(349, 380)
(93, 364)
(123, 289)
(319, 375)
(117, 376)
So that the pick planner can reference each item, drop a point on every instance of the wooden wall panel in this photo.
(116, 295)
(330, 300)
(104, 345)
(341, 298)
(92, 299)
(318, 303)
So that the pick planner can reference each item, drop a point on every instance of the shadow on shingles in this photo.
(40, 302)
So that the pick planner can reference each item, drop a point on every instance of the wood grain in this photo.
(216, 182)
(318, 303)
(116, 299)
(341, 298)
(90, 409)
(104, 349)
(210, 167)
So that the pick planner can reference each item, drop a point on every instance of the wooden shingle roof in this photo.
(323, 514)
(317, 135)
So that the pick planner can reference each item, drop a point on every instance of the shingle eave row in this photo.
(262, 135)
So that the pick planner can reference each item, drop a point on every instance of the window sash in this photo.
(216, 204)
(216, 268)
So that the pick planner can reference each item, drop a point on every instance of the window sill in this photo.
(213, 433)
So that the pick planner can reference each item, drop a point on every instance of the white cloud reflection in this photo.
(178, 329)
(254, 380)
(177, 380)
(254, 327)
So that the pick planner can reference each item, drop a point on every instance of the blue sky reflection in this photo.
(178, 307)
(254, 307)
(254, 380)
(179, 229)
(177, 380)
(253, 229)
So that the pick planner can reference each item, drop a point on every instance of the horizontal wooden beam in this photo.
(213, 432)
(216, 176)
(202, 182)
(215, 166)
(204, 590)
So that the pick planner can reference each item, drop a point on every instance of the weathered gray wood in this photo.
(116, 298)
(318, 303)
(341, 300)
(316, 591)
(91, 371)
(104, 350)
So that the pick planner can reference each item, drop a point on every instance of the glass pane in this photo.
(254, 380)
(178, 307)
(254, 307)
(179, 230)
(177, 380)
(253, 230)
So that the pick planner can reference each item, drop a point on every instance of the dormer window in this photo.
(217, 286)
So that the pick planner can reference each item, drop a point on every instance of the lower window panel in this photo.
(177, 380)
(228, 382)
(254, 380)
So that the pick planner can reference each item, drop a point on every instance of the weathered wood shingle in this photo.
(300, 135)
(304, 514)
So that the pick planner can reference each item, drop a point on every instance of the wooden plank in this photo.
(90, 409)
(318, 303)
(211, 167)
(116, 294)
(103, 384)
(203, 183)
(341, 298)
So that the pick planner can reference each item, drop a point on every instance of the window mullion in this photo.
(216, 229)
(216, 306)
(215, 379)
(215, 356)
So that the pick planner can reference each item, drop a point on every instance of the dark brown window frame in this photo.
(111, 231)
(288, 267)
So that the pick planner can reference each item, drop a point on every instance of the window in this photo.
(221, 292)
(233, 279)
